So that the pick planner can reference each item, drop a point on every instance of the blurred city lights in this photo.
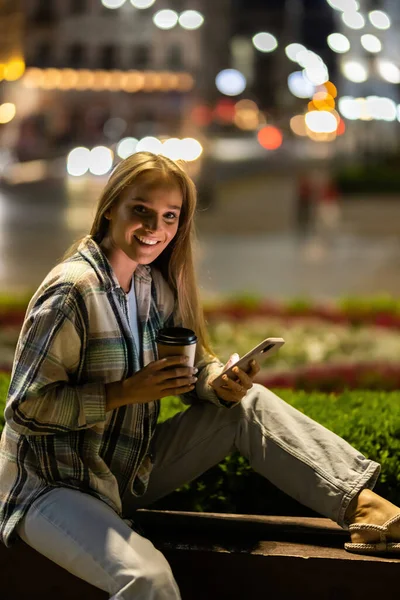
(354, 20)
(329, 88)
(149, 144)
(317, 75)
(172, 148)
(321, 121)
(379, 19)
(14, 69)
(190, 149)
(371, 43)
(270, 137)
(126, 147)
(368, 109)
(142, 4)
(265, 42)
(78, 161)
(230, 82)
(300, 86)
(100, 160)
(323, 101)
(344, 5)
(298, 125)
(129, 81)
(7, 112)
(355, 71)
(165, 19)
(191, 19)
(308, 59)
(388, 71)
(112, 3)
(293, 50)
(338, 43)
(247, 115)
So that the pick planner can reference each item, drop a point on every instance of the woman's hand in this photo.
(234, 390)
(165, 377)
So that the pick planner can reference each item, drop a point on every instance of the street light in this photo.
(142, 4)
(191, 19)
(113, 4)
(379, 19)
(230, 82)
(371, 43)
(354, 20)
(338, 43)
(165, 19)
(265, 42)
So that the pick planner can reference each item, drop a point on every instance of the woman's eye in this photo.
(170, 216)
(139, 209)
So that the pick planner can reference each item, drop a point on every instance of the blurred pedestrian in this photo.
(81, 449)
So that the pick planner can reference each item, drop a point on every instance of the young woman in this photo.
(81, 449)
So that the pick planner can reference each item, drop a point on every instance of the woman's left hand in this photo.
(234, 390)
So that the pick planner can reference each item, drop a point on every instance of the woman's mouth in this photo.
(146, 241)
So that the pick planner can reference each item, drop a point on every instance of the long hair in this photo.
(176, 261)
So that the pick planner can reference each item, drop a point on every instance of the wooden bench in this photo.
(218, 556)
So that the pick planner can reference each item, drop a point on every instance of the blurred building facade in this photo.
(88, 66)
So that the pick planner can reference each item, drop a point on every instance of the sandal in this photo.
(384, 546)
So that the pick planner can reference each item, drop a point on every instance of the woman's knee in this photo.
(150, 579)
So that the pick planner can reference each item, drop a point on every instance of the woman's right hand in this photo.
(166, 377)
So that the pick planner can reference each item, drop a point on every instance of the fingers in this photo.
(177, 389)
(170, 361)
(254, 369)
(244, 379)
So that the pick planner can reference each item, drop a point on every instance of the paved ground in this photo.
(246, 242)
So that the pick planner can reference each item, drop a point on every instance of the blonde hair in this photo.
(176, 261)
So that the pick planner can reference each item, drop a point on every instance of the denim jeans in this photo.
(299, 456)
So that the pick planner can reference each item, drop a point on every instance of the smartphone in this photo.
(266, 348)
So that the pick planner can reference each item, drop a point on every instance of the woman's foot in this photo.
(371, 509)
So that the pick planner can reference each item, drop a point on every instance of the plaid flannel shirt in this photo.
(75, 339)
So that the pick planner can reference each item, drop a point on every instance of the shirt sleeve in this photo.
(43, 398)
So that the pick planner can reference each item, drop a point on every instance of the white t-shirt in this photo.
(133, 316)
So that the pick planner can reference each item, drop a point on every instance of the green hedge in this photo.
(368, 420)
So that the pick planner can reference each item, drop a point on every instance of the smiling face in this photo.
(142, 223)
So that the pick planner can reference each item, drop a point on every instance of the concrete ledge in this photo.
(217, 556)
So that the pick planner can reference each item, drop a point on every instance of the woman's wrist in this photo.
(114, 395)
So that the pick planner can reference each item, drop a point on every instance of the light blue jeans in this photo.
(310, 463)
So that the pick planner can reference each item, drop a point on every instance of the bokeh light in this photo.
(338, 43)
(379, 19)
(113, 4)
(323, 101)
(142, 4)
(354, 20)
(190, 149)
(78, 161)
(7, 112)
(321, 121)
(100, 160)
(165, 19)
(247, 115)
(292, 50)
(298, 125)
(344, 5)
(191, 19)
(149, 144)
(371, 43)
(230, 82)
(14, 69)
(172, 148)
(300, 86)
(317, 75)
(270, 137)
(265, 42)
(355, 71)
(388, 71)
(329, 88)
(126, 147)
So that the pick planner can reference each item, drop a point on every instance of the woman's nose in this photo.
(151, 222)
